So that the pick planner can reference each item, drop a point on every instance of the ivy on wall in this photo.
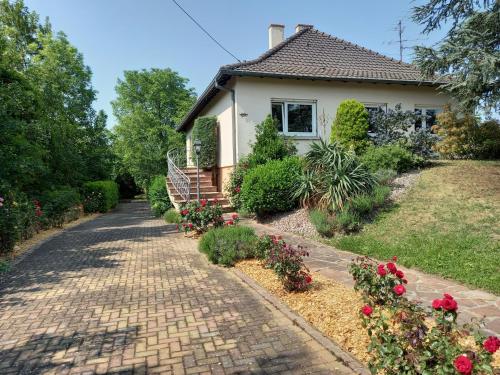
(205, 129)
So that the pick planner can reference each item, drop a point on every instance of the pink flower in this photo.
(237, 189)
(491, 344)
(399, 289)
(436, 304)
(381, 270)
(463, 364)
(367, 310)
(235, 216)
(391, 267)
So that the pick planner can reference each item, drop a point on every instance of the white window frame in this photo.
(284, 120)
(423, 109)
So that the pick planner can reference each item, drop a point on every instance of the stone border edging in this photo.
(345, 358)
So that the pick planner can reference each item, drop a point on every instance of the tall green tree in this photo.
(149, 104)
(469, 55)
(51, 135)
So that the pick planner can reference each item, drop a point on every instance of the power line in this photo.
(204, 30)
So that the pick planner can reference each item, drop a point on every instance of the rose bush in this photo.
(199, 216)
(407, 339)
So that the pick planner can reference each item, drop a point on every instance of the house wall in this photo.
(254, 95)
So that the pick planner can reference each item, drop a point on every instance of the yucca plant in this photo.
(332, 176)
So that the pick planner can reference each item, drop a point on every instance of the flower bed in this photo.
(343, 314)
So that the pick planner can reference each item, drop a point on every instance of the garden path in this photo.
(126, 293)
(333, 263)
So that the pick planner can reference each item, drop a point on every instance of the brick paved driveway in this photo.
(125, 293)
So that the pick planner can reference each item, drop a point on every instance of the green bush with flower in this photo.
(407, 339)
(199, 216)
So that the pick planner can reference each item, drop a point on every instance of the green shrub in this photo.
(384, 176)
(100, 196)
(347, 220)
(172, 216)
(269, 144)
(350, 127)
(158, 196)
(380, 194)
(58, 204)
(233, 186)
(322, 222)
(390, 157)
(205, 129)
(331, 177)
(269, 188)
(228, 244)
(363, 204)
(127, 186)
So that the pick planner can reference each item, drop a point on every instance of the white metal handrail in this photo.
(181, 182)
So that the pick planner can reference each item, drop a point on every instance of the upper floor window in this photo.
(372, 109)
(295, 117)
(426, 117)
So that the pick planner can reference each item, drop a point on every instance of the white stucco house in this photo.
(301, 81)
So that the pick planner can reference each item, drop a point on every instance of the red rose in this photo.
(449, 304)
(190, 226)
(230, 222)
(399, 289)
(405, 281)
(463, 364)
(215, 201)
(367, 310)
(436, 304)
(447, 296)
(491, 344)
(203, 202)
(235, 216)
(381, 270)
(309, 279)
(237, 189)
(184, 212)
(400, 274)
(392, 267)
(394, 258)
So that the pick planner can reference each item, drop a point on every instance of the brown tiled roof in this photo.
(312, 54)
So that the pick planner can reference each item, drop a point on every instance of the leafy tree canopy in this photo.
(469, 55)
(149, 104)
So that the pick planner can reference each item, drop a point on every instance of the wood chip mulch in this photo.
(330, 307)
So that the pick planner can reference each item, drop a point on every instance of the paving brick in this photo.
(125, 293)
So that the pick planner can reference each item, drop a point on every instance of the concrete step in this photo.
(204, 188)
(204, 195)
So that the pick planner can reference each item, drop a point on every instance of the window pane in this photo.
(299, 118)
(430, 118)
(372, 112)
(277, 113)
(418, 121)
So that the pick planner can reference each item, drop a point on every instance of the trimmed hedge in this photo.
(100, 196)
(390, 157)
(205, 129)
(268, 188)
(228, 244)
(57, 205)
(158, 196)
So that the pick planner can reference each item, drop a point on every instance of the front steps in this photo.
(207, 189)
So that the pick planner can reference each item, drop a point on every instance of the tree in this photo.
(469, 56)
(148, 106)
(350, 127)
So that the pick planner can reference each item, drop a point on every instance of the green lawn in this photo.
(448, 224)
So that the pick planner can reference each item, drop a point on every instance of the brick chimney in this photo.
(276, 34)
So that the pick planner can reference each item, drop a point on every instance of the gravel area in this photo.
(402, 183)
(298, 222)
(295, 222)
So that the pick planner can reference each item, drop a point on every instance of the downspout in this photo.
(233, 112)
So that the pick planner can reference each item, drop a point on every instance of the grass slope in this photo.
(447, 224)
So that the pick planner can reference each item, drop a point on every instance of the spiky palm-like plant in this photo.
(331, 177)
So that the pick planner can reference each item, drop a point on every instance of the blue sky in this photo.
(118, 35)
